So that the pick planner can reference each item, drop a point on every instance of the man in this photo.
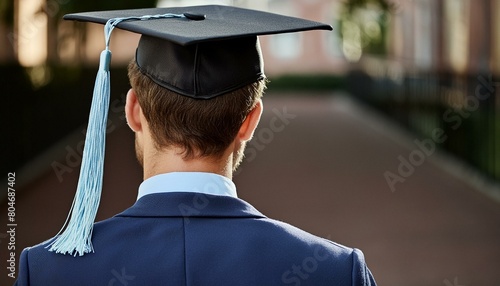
(193, 105)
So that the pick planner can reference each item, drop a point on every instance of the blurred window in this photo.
(423, 33)
(284, 46)
(457, 33)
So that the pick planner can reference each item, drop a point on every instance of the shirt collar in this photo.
(192, 182)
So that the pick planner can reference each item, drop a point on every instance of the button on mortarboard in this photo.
(195, 17)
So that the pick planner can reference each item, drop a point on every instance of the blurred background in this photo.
(388, 137)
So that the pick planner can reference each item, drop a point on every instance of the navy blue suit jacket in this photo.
(197, 239)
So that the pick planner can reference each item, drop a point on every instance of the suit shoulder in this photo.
(305, 238)
(318, 258)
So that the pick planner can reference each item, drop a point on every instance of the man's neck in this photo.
(172, 161)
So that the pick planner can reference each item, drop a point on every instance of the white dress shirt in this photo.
(193, 182)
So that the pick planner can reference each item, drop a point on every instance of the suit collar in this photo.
(182, 204)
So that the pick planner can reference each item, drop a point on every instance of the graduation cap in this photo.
(198, 51)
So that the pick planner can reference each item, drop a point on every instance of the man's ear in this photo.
(251, 121)
(133, 111)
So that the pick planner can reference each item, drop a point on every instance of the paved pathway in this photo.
(318, 163)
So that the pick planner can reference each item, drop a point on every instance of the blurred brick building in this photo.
(459, 35)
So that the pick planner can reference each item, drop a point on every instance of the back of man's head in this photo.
(200, 127)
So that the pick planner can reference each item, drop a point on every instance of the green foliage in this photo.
(385, 5)
(363, 27)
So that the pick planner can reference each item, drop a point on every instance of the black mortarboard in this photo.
(199, 52)
(211, 51)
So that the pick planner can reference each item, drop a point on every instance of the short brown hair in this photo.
(200, 127)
